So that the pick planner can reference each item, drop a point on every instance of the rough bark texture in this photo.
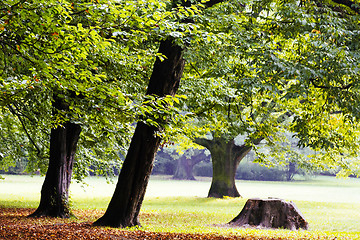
(225, 156)
(55, 189)
(124, 207)
(125, 204)
(270, 213)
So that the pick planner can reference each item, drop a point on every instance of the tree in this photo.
(226, 156)
(125, 204)
(172, 160)
(186, 162)
(57, 73)
(55, 189)
(27, 53)
(246, 71)
(124, 207)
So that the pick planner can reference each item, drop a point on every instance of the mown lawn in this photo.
(331, 206)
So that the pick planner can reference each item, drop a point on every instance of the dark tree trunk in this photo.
(270, 213)
(124, 207)
(226, 157)
(125, 204)
(54, 200)
(225, 164)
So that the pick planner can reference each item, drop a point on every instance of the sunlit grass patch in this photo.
(194, 213)
(331, 216)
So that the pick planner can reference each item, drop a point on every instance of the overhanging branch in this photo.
(13, 111)
(203, 142)
(352, 5)
(312, 80)
(213, 2)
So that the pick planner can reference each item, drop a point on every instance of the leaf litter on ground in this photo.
(14, 224)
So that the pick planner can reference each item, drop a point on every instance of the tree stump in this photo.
(270, 213)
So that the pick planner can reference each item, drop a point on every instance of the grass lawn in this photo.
(331, 206)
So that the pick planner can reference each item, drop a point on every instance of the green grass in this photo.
(331, 206)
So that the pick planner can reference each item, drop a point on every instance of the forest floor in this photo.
(15, 225)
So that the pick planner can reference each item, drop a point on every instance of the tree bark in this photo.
(124, 207)
(226, 157)
(270, 213)
(54, 200)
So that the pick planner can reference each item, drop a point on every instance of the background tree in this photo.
(251, 61)
(186, 162)
(180, 163)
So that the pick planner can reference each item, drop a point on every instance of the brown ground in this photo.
(15, 225)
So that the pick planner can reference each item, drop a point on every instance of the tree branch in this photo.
(12, 110)
(349, 4)
(211, 3)
(203, 142)
(312, 80)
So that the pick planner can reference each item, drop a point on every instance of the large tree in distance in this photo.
(186, 162)
(227, 101)
(292, 63)
(226, 157)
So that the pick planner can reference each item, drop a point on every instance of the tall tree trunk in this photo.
(54, 200)
(226, 157)
(124, 207)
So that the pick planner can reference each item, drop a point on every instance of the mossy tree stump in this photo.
(270, 213)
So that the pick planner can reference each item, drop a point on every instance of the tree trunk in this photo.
(184, 169)
(124, 207)
(291, 171)
(54, 200)
(186, 163)
(226, 157)
(270, 213)
(125, 204)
